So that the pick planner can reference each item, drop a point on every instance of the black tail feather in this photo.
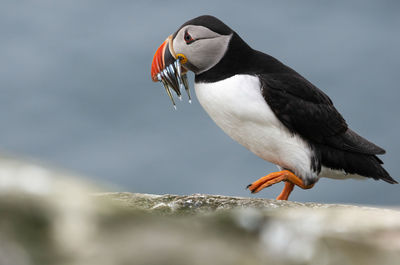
(354, 163)
(352, 142)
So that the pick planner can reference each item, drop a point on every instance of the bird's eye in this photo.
(188, 38)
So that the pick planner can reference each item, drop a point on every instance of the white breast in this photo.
(238, 107)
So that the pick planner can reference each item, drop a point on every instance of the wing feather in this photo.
(306, 110)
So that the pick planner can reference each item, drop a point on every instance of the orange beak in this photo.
(167, 68)
(158, 61)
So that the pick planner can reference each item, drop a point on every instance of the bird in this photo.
(267, 107)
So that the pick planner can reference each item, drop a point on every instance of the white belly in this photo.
(238, 107)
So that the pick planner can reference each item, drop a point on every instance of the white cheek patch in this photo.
(206, 51)
(209, 52)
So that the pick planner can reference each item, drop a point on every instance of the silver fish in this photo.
(172, 74)
(186, 84)
(173, 78)
(166, 86)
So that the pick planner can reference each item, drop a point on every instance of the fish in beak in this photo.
(167, 68)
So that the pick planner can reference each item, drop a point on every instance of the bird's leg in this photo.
(286, 191)
(275, 177)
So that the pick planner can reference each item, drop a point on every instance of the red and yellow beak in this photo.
(164, 55)
(167, 67)
(158, 61)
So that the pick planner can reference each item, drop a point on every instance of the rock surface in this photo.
(50, 217)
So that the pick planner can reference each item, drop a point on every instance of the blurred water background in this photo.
(76, 90)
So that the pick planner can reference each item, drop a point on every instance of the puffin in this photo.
(266, 106)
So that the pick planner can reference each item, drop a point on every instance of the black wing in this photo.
(306, 110)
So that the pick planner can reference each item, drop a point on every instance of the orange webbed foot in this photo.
(275, 177)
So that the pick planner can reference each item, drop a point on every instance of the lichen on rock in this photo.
(50, 217)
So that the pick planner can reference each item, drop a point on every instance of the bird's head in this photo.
(197, 46)
(200, 43)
